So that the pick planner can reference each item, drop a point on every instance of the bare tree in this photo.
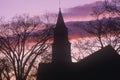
(106, 27)
(15, 38)
(5, 69)
(103, 30)
(82, 48)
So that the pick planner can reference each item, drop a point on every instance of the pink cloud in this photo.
(81, 12)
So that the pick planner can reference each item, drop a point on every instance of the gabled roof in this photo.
(107, 55)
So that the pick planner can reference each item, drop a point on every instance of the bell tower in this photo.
(61, 52)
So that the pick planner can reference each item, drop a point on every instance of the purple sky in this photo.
(10, 8)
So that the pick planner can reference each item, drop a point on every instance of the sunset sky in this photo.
(10, 8)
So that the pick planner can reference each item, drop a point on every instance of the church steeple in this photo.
(61, 46)
(60, 31)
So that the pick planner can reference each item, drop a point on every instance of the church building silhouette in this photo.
(101, 65)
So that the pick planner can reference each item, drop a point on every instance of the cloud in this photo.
(81, 13)
(76, 29)
(77, 16)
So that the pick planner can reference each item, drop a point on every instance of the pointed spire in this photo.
(60, 20)
(60, 17)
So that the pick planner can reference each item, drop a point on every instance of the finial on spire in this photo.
(59, 5)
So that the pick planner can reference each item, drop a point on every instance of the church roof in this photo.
(103, 56)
